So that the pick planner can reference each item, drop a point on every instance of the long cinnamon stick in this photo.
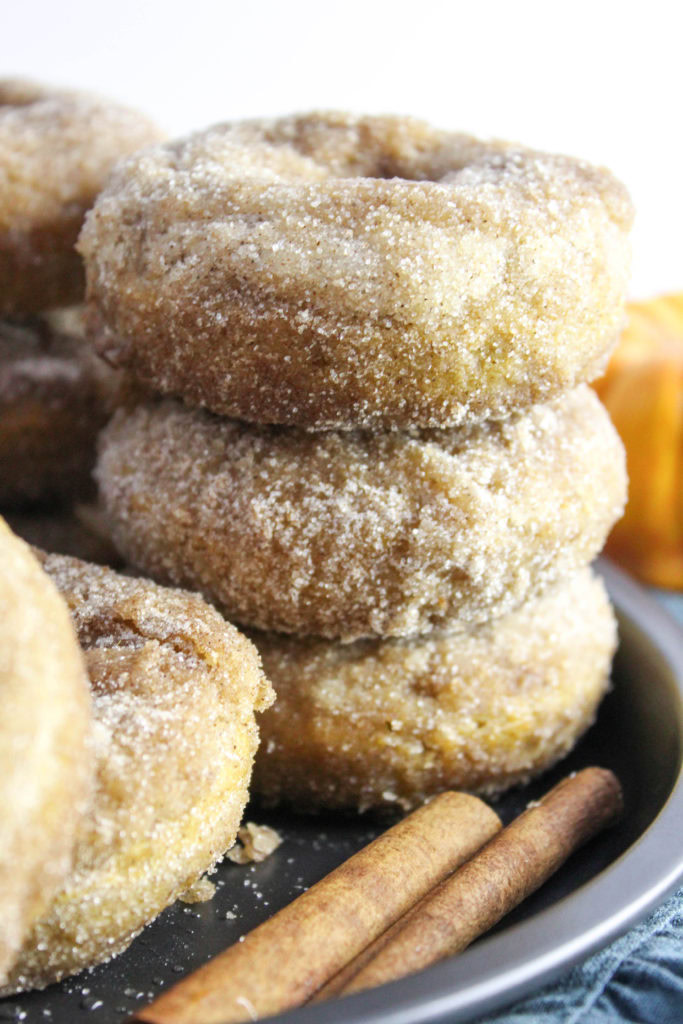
(283, 961)
(511, 866)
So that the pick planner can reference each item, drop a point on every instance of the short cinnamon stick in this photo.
(281, 963)
(508, 869)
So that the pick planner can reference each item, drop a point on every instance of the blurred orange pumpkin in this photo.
(643, 391)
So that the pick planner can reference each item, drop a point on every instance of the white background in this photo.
(599, 80)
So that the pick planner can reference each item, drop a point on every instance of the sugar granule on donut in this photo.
(332, 271)
(356, 534)
(57, 148)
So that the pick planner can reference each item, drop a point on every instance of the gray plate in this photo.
(603, 890)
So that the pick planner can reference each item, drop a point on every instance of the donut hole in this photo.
(384, 148)
(424, 166)
(388, 169)
(381, 166)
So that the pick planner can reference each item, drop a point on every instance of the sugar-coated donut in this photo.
(331, 271)
(45, 759)
(377, 723)
(57, 148)
(175, 689)
(358, 534)
(55, 395)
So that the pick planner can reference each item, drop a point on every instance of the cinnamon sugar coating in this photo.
(45, 760)
(57, 148)
(379, 723)
(175, 688)
(359, 534)
(56, 393)
(332, 271)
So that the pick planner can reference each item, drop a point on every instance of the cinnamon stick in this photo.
(281, 963)
(511, 866)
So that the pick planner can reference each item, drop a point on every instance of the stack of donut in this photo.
(57, 148)
(372, 442)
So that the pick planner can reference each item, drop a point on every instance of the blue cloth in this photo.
(636, 980)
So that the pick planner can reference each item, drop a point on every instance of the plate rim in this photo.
(431, 995)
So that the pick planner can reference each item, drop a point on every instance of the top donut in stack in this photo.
(57, 148)
(332, 272)
(380, 335)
